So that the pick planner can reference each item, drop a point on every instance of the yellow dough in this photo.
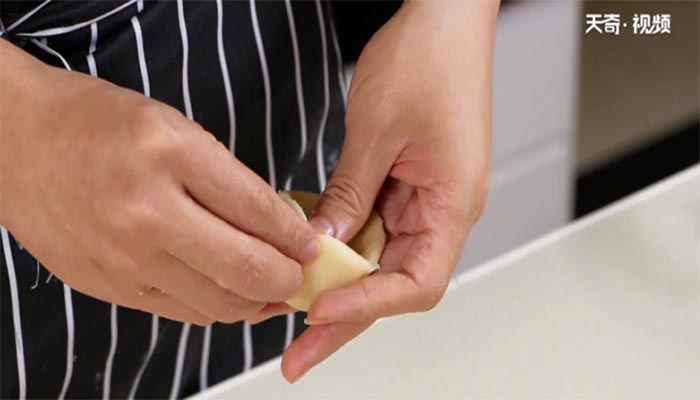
(338, 264)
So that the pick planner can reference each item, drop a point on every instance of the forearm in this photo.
(16, 69)
(26, 87)
(457, 21)
(461, 36)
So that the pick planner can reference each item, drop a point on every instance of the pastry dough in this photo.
(338, 264)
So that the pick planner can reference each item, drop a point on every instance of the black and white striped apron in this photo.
(265, 78)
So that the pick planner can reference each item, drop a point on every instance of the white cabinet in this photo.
(535, 92)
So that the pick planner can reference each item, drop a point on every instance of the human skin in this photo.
(128, 201)
(417, 149)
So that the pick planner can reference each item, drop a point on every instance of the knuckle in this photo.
(300, 233)
(250, 309)
(138, 213)
(368, 309)
(201, 320)
(160, 142)
(480, 203)
(478, 177)
(168, 147)
(253, 271)
(431, 295)
(146, 115)
(257, 270)
(430, 290)
(128, 298)
(185, 316)
(231, 308)
(288, 280)
(254, 205)
(344, 193)
(261, 204)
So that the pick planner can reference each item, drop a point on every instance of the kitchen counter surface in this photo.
(607, 307)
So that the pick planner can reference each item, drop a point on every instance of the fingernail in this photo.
(295, 377)
(310, 252)
(292, 377)
(322, 226)
(312, 322)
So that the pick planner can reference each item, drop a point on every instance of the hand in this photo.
(126, 200)
(417, 149)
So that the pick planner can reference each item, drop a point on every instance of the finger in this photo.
(241, 263)
(349, 196)
(269, 311)
(231, 191)
(164, 305)
(315, 345)
(418, 286)
(199, 292)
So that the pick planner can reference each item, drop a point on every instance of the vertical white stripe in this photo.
(42, 45)
(143, 69)
(113, 328)
(141, 56)
(68, 301)
(224, 74)
(180, 361)
(204, 361)
(93, 45)
(147, 92)
(289, 335)
(70, 329)
(93, 39)
(266, 84)
(136, 25)
(320, 164)
(16, 318)
(38, 272)
(339, 60)
(151, 348)
(27, 15)
(185, 59)
(113, 335)
(288, 182)
(184, 334)
(299, 87)
(247, 347)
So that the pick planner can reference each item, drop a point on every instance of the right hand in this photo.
(128, 201)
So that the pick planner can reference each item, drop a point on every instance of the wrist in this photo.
(455, 8)
(452, 6)
(18, 75)
(456, 16)
(17, 70)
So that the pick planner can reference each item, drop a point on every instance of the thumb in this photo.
(349, 196)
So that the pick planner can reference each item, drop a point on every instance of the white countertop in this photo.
(607, 307)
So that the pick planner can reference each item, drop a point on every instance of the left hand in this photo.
(417, 150)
